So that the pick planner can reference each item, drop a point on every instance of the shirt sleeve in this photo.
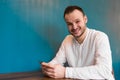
(103, 62)
(60, 56)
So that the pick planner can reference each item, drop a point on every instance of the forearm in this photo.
(91, 72)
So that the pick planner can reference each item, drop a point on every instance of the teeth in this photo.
(76, 31)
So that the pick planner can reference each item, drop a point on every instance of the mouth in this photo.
(75, 31)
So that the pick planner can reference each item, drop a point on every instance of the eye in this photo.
(77, 21)
(69, 24)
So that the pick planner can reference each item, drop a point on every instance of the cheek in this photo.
(69, 28)
(81, 24)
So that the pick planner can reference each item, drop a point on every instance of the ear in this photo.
(85, 18)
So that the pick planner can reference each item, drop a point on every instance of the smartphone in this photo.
(40, 62)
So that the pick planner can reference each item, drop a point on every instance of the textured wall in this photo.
(113, 24)
(32, 30)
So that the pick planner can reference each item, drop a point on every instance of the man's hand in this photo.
(53, 70)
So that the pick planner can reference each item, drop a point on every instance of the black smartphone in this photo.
(40, 62)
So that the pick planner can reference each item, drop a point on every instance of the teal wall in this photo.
(32, 30)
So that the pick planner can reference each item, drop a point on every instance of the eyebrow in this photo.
(74, 20)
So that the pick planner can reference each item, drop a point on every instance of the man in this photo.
(87, 51)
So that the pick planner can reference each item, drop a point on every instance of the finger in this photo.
(50, 74)
(47, 65)
(44, 64)
(50, 70)
(45, 71)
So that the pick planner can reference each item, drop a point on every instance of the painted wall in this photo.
(32, 30)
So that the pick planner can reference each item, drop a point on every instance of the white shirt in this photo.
(89, 60)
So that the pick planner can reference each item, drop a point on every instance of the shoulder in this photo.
(68, 39)
(97, 33)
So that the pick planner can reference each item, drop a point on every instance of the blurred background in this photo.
(32, 30)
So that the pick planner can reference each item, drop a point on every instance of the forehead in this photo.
(76, 14)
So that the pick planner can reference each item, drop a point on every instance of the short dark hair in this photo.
(70, 9)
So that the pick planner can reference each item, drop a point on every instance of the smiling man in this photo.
(87, 51)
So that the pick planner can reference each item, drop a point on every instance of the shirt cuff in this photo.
(68, 72)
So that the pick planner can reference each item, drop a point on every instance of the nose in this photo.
(74, 26)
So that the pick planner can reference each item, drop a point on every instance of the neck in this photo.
(82, 37)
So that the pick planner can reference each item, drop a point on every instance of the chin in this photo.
(77, 36)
